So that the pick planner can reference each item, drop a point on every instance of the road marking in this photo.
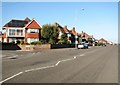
(67, 60)
(11, 77)
(82, 55)
(39, 68)
(42, 67)
(57, 63)
(13, 56)
(74, 57)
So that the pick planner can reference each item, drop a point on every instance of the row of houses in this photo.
(30, 31)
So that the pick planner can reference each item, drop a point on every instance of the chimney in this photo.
(65, 26)
(74, 28)
(27, 19)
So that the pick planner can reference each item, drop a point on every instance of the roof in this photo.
(61, 29)
(17, 23)
(33, 24)
(84, 34)
(27, 19)
(72, 31)
(27, 23)
(103, 40)
(65, 29)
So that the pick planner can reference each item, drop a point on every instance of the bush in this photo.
(26, 44)
(100, 44)
(63, 42)
(36, 43)
(43, 41)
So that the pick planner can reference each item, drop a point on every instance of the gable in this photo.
(33, 24)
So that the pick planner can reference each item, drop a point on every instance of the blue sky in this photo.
(99, 19)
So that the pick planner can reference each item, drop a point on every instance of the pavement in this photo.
(93, 65)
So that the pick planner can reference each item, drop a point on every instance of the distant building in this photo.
(72, 35)
(75, 37)
(102, 41)
(87, 38)
(22, 30)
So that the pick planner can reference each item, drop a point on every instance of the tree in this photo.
(63, 39)
(50, 33)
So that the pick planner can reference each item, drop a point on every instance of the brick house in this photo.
(75, 37)
(22, 30)
(86, 37)
(70, 33)
(102, 41)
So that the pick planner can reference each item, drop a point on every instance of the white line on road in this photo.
(57, 63)
(38, 69)
(74, 57)
(11, 77)
(13, 56)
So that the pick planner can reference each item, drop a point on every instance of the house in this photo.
(72, 35)
(22, 30)
(102, 40)
(63, 30)
(75, 37)
(87, 38)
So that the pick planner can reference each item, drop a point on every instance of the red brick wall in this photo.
(32, 35)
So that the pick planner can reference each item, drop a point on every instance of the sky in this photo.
(99, 19)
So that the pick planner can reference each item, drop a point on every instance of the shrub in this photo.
(26, 44)
(36, 43)
(63, 42)
(100, 44)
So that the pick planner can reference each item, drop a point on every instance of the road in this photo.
(93, 65)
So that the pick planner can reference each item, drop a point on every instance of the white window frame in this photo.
(33, 31)
(16, 35)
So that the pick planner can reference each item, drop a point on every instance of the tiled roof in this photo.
(72, 31)
(61, 29)
(65, 29)
(17, 23)
(103, 40)
(84, 34)
(33, 24)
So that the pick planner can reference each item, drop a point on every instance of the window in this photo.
(17, 32)
(33, 31)
(21, 32)
(11, 31)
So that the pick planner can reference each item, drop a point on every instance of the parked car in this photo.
(83, 45)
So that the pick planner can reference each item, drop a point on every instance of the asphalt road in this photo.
(93, 65)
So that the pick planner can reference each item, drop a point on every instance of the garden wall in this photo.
(56, 46)
(9, 46)
(34, 47)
